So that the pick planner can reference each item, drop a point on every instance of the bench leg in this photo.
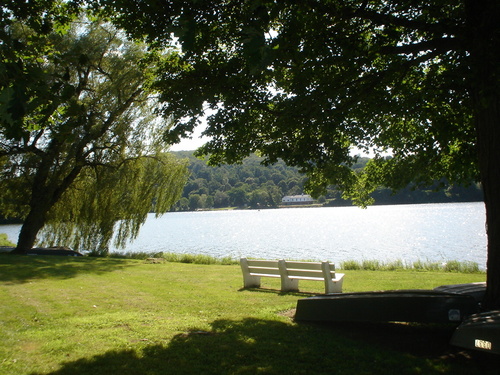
(331, 286)
(287, 284)
(249, 281)
(334, 286)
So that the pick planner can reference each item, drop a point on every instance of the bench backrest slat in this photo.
(263, 270)
(303, 265)
(262, 263)
(304, 273)
(307, 265)
(305, 269)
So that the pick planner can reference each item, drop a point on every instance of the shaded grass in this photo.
(105, 316)
(31, 268)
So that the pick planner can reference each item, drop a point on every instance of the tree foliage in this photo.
(250, 184)
(303, 81)
(107, 205)
(22, 85)
(287, 79)
(86, 152)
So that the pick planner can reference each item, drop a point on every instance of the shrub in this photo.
(396, 265)
(375, 265)
(176, 258)
(4, 241)
(371, 265)
(350, 265)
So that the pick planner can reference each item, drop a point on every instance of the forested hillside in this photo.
(253, 185)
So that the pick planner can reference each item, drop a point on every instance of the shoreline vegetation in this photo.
(366, 264)
(84, 315)
(251, 185)
(4, 240)
(348, 265)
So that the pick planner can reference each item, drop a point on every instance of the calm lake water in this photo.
(427, 232)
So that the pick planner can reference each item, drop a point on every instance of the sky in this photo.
(197, 141)
(191, 144)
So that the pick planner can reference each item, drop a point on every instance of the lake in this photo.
(426, 232)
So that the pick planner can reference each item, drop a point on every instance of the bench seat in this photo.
(290, 272)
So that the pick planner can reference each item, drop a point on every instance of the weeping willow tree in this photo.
(84, 157)
(107, 205)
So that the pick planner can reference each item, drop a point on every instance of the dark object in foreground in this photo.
(421, 306)
(476, 290)
(61, 251)
(459, 304)
(479, 332)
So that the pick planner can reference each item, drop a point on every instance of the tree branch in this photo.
(377, 18)
(438, 45)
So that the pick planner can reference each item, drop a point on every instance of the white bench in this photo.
(290, 273)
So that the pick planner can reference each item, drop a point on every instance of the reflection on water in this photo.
(427, 232)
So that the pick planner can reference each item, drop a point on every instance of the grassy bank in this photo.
(128, 316)
(352, 265)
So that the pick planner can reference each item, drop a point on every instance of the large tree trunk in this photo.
(489, 157)
(46, 191)
(40, 205)
(29, 230)
(484, 42)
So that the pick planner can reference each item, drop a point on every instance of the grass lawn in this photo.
(121, 316)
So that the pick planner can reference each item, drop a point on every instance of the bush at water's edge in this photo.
(4, 241)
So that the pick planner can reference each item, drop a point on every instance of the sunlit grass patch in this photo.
(66, 316)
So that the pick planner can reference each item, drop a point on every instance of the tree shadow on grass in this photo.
(300, 293)
(255, 346)
(20, 269)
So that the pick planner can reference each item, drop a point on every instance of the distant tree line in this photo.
(249, 184)
(253, 185)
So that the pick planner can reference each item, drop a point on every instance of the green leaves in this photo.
(306, 81)
(107, 205)
(80, 142)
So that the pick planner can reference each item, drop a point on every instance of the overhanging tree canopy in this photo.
(306, 80)
(81, 147)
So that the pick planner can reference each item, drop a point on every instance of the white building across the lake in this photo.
(297, 199)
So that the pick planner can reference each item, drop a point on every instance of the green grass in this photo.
(127, 316)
